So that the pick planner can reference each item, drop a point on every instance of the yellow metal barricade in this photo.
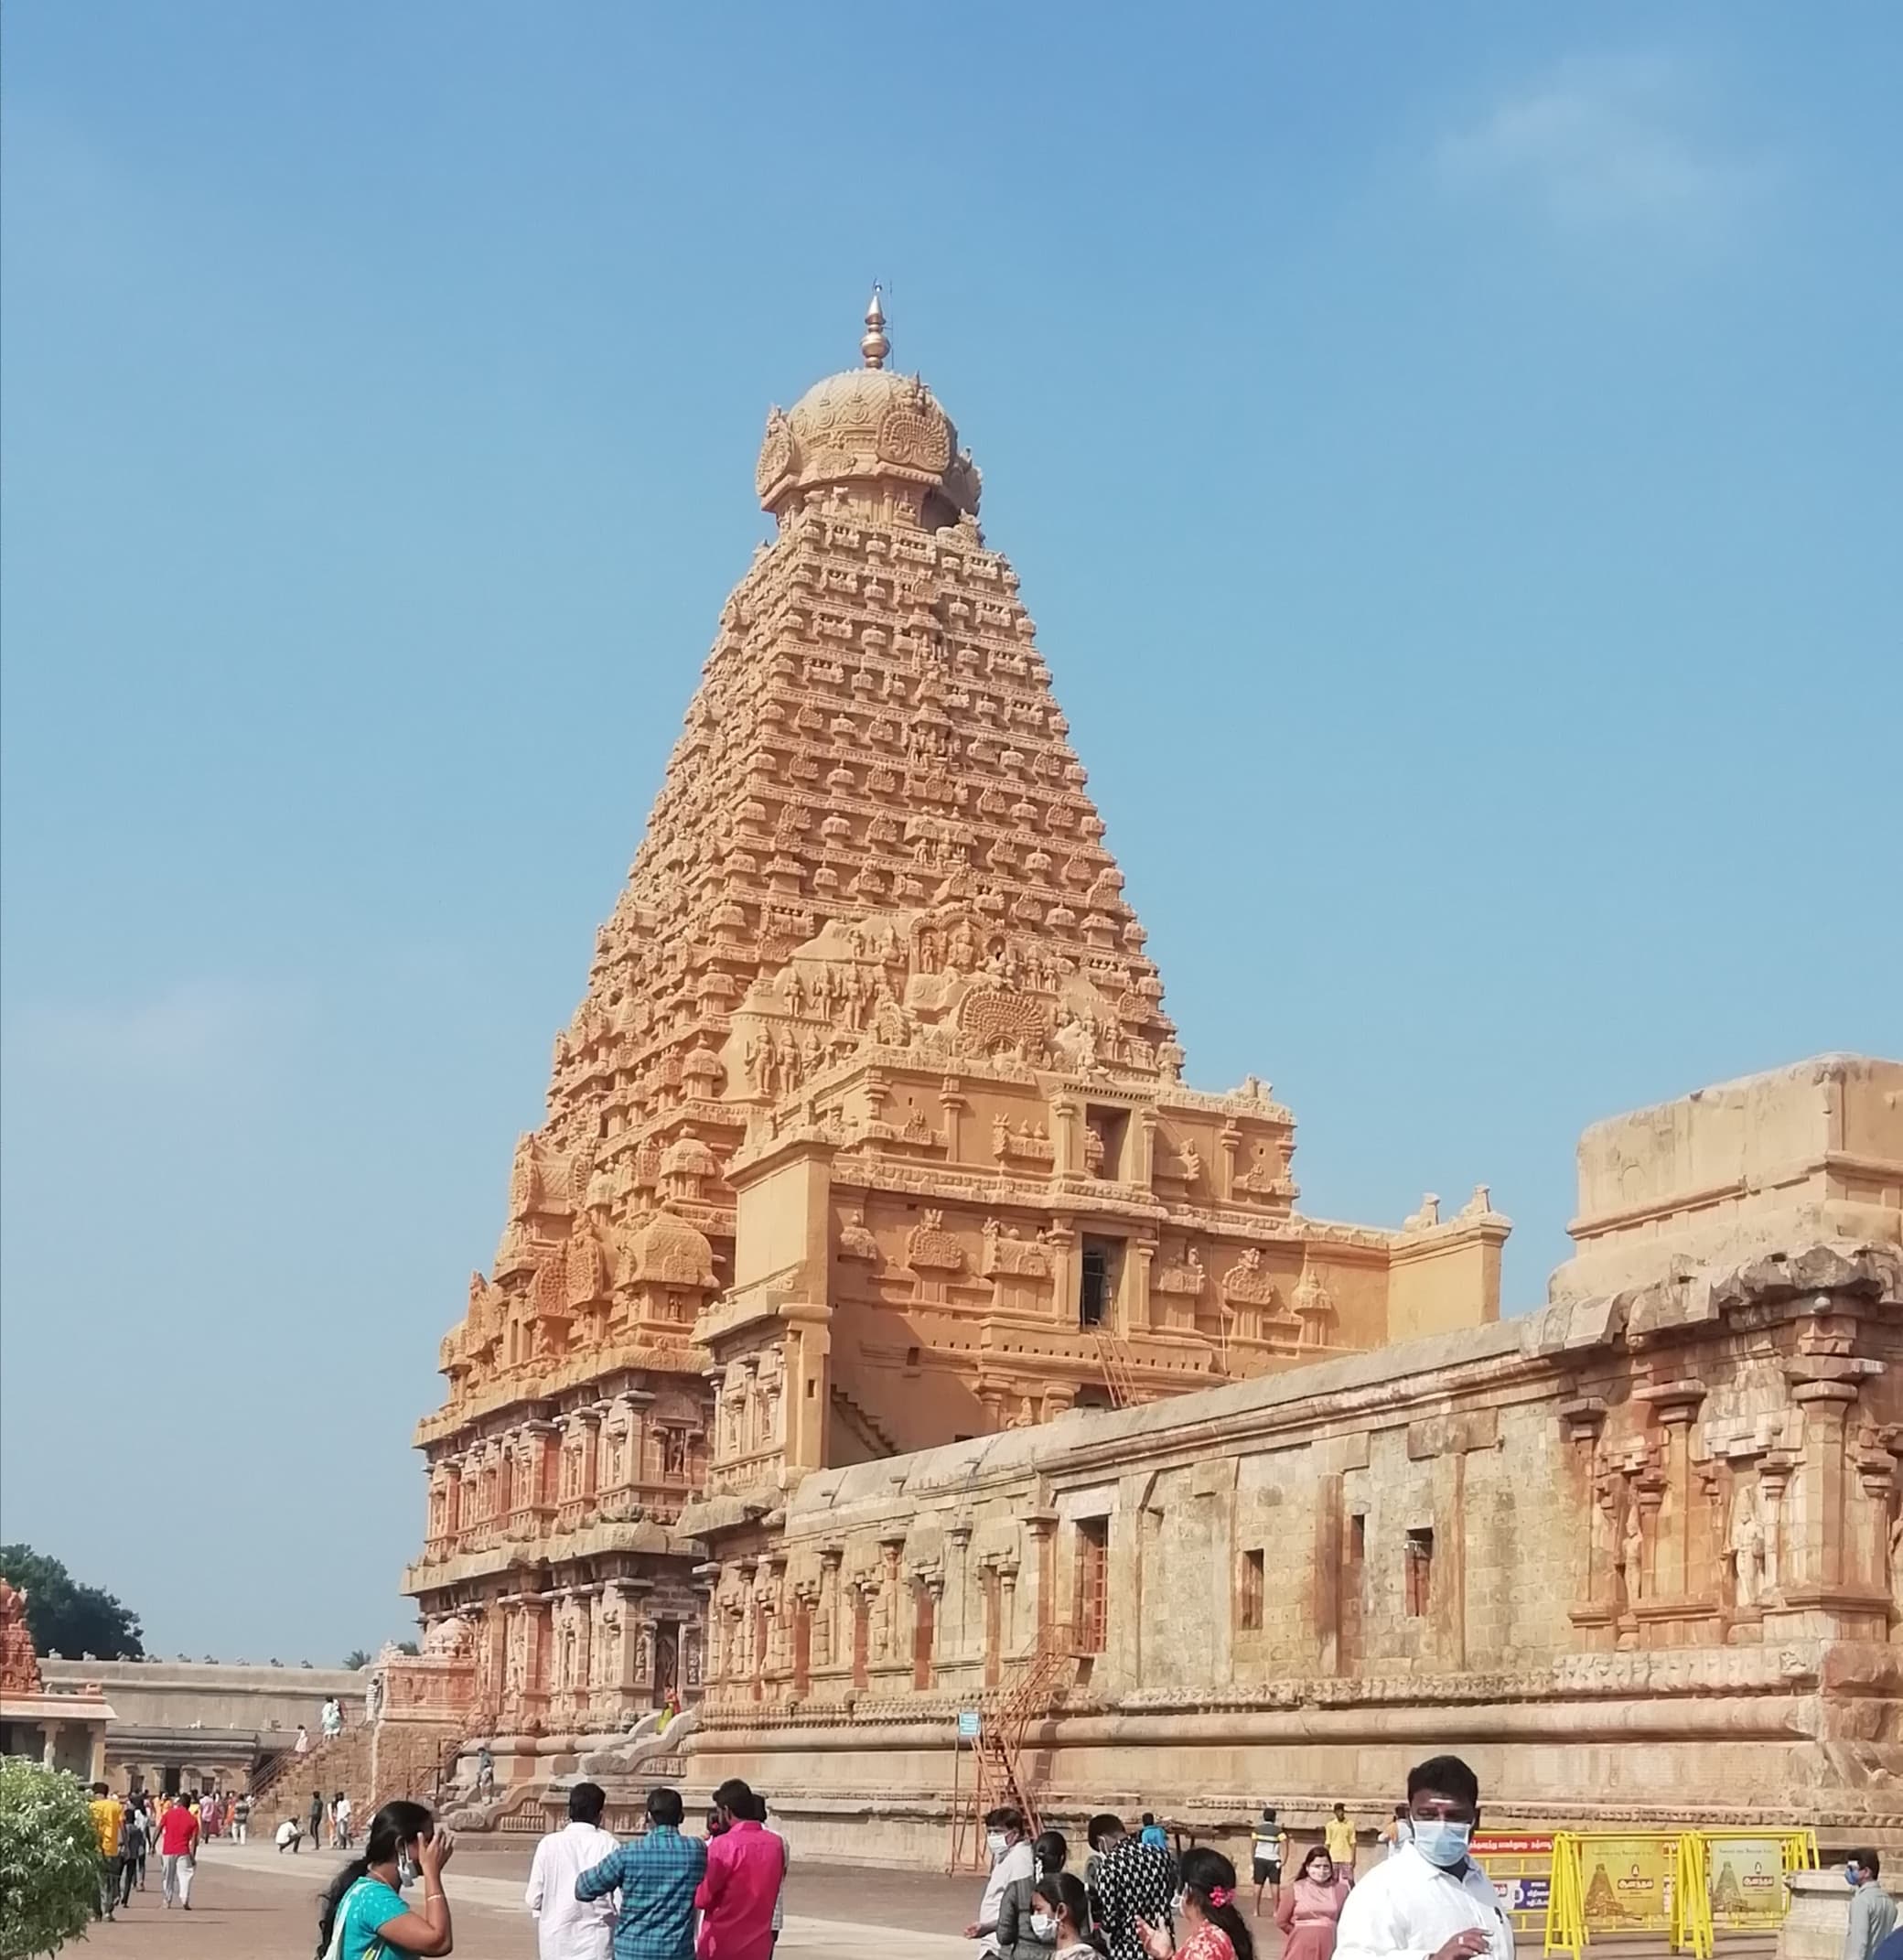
(1685, 1884)
(1519, 1866)
(1626, 1882)
(1746, 1871)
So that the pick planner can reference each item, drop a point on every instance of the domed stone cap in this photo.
(670, 1251)
(689, 1156)
(867, 425)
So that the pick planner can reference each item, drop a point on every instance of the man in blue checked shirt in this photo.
(658, 1874)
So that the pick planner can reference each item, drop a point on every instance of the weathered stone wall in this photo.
(1631, 1555)
(214, 1694)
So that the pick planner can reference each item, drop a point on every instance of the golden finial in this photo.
(875, 346)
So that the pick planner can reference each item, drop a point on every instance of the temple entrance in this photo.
(667, 1660)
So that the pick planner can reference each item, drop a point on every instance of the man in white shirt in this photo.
(565, 1929)
(1011, 1858)
(1429, 1901)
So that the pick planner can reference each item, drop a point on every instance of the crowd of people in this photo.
(1136, 1899)
(131, 1827)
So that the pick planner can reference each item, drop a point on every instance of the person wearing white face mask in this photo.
(1011, 1859)
(1061, 1914)
(1429, 1901)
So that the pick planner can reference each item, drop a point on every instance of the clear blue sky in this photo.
(1451, 454)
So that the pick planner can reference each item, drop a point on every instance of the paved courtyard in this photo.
(250, 1902)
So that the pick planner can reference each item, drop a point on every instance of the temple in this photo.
(61, 1724)
(869, 1132)
(830, 1368)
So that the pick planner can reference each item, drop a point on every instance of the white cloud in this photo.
(1624, 144)
(197, 1029)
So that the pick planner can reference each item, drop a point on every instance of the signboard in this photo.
(968, 1724)
(1747, 1881)
(1627, 1883)
(1520, 1868)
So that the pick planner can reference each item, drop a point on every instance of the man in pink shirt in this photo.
(745, 1867)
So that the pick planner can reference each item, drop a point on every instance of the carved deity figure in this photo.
(1631, 1552)
(1743, 1547)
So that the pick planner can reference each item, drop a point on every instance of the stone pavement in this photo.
(251, 1902)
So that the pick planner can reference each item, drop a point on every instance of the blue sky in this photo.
(1450, 454)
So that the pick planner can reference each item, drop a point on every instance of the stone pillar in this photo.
(1142, 1145)
(1064, 1281)
(1040, 1528)
(1229, 1140)
(1816, 1557)
(1133, 1317)
(952, 1627)
(1066, 1136)
(952, 1108)
(1675, 1404)
(1325, 1599)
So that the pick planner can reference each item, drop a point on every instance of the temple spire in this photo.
(875, 345)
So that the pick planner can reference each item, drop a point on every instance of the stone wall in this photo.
(1632, 1555)
(214, 1694)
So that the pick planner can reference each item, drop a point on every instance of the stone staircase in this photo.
(872, 1434)
(338, 1762)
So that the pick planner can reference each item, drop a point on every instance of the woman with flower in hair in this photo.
(1206, 1907)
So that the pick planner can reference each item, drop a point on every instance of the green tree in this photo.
(48, 1859)
(357, 1657)
(65, 1617)
(407, 1646)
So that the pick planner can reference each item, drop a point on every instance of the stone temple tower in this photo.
(869, 1132)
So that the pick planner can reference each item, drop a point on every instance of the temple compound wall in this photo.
(1637, 1555)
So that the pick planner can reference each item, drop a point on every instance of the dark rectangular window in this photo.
(1357, 1535)
(1249, 1604)
(1092, 1583)
(924, 1616)
(1418, 1555)
(1097, 1287)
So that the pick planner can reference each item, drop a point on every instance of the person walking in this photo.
(107, 1822)
(301, 1747)
(745, 1867)
(1214, 1928)
(1268, 1850)
(1131, 1885)
(1060, 1912)
(132, 1833)
(362, 1915)
(1018, 1937)
(658, 1876)
(1873, 1912)
(1012, 1859)
(567, 1927)
(331, 1720)
(1338, 1835)
(178, 1854)
(317, 1820)
(1308, 1911)
(240, 1819)
(341, 1820)
(1430, 1899)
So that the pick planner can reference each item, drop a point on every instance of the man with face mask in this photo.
(1873, 1912)
(1011, 1859)
(1429, 1901)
